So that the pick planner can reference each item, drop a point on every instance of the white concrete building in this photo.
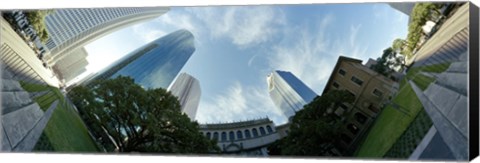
(245, 138)
(187, 89)
(69, 66)
(70, 29)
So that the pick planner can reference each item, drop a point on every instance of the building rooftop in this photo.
(335, 69)
(229, 125)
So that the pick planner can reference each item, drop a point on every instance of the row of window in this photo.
(239, 134)
(78, 20)
(375, 92)
(356, 81)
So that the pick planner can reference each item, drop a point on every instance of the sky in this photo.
(238, 46)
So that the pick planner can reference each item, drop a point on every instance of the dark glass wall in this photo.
(156, 64)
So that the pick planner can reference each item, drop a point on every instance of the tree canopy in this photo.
(314, 131)
(127, 118)
(398, 45)
(37, 21)
(421, 13)
(381, 67)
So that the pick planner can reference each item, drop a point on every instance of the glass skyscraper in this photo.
(156, 64)
(70, 29)
(288, 93)
(187, 89)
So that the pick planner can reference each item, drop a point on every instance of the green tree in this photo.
(314, 131)
(421, 13)
(382, 63)
(37, 21)
(388, 60)
(128, 118)
(398, 45)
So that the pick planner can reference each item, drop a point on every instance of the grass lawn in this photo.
(422, 81)
(436, 68)
(65, 131)
(390, 125)
(29, 87)
(46, 100)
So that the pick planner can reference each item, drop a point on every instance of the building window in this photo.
(377, 93)
(335, 84)
(262, 131)
(209, 136)
(342, 72)
(224, 136)
(373, 108)
(231, 136)
(351, 93)
(354, 129)
(269, 129)
(255, 132)
(357, 80)
(239, 135)
(247, 134)
(360, 118)
(215, 135)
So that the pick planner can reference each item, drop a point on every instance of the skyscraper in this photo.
(156, 64)
(288, 93)
(70, 29)
(187, 90)
(74, 62)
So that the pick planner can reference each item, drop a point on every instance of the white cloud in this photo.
(242, 25)
(148, 33)
(353, 34)
(311, 54)
(179, 21)
(250, 61)
(239, 103)
(382, 12)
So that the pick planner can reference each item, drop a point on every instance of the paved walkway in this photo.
(436, 149)
(30, 140)
(22, 120)
(9, 38)
(446, 102)
(453, 25)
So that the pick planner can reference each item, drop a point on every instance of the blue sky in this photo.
(236, 48)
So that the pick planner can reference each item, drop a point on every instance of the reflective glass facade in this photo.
(288, 93)
(156, 64)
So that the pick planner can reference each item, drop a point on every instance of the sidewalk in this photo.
(453, 25)
(11, 39)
